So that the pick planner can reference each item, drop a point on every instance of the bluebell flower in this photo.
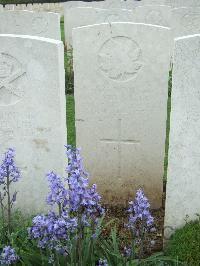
(102, 262)
(139, 210)
(8, 167)
(50, 229)
(58, 193)
(82, 197)
(8, 256)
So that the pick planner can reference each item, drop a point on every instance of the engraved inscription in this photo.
(191, 21)
(155, 17)
(119, 58)
(119, 142)
(10, 71)
(39, 25)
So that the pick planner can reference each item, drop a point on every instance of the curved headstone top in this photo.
(83, 16)
(24, 22)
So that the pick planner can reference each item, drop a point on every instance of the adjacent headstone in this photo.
(83, 16)
(73, 4)
(32, 112)
(121, 88)
(41, 24)
(184, 3)
(157, 15)
(123, 4)
(183, 182)
(154, 2)
(186, 21)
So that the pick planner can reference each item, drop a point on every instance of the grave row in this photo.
(182, 21)
(121, 92)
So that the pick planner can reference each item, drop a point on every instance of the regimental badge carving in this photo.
(155, 17)
(10, 71)
(120, 58)
(39, 25)
(191, 22)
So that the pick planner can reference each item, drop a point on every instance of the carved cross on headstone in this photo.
(120, 141)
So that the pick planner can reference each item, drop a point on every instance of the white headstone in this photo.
(186, 21)
(123, 4)
(155, 2)
(32, 112)
(183, 182)
(157, 15)
(121, 81)
(41, 24)
(73, 4)
(185, 3)
(83, 16)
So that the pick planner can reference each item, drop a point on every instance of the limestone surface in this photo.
(154, 14)
(186, 21)
(183, 182)
(83, 16)
(42, 24)
(121, 90)
(32, 112)
(184, 3)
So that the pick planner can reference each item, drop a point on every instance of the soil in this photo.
(120, 219)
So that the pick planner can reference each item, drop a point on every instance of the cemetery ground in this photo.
(110, 241)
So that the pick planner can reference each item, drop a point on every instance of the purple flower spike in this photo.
(140, 211)
(58, 193)
(82, 197)
(8, 256)
(9, 168)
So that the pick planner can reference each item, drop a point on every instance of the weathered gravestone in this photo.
(41, 24)
(123, 4)
(183, 180)
(73, 4)
(155, 2)
(83, 16)
(121, 77)
(184, 3)
(32, 112)
(186, 21)
(157, 15)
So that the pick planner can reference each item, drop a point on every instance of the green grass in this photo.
(70, 110)
(71, 135)
(185, 244)
(167, 126)
(62, 29)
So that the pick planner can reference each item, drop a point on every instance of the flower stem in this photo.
(8, 202)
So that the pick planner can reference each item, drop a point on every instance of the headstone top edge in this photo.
(30, 37)
(186, 37)
(30, 12)
(122, 23)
